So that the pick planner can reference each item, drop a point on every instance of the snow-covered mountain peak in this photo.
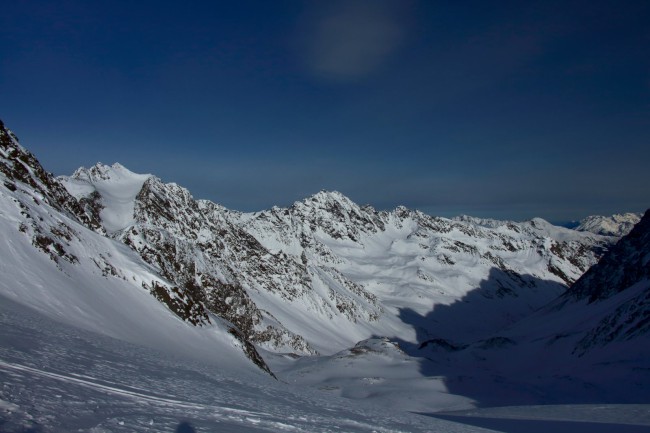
(112, 189)
(335, 215)
(539, 223)
(326, 200)
(326, 195)
(482, 222)
(102, 172)
(615, 225)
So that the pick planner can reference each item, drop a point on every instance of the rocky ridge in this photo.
(72, 233)
(624, 270)
(331, 260)
(325, 273)
(616, 225)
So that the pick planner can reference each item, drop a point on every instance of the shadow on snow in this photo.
(449, 335)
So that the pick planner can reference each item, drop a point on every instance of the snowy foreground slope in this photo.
(57, 378)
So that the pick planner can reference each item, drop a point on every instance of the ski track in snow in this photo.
(155, 403)
(57, 378)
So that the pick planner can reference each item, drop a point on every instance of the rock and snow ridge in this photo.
(616, 225)
(57, 259)
(325, 273)
(115, 185)
(592, 344)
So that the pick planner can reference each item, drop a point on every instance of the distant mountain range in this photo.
(615, 225)
(113, 251)
(325, 273)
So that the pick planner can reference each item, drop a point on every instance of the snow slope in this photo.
(58, 379)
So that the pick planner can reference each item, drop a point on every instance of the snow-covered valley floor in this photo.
(57, 378)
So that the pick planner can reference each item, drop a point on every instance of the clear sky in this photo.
(489, 108)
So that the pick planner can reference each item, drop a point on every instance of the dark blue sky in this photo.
(496, 109)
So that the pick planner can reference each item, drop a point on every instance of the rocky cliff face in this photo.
(622, 273)
(625, 264)
(325, 272)
(56, 224)
(17, 164)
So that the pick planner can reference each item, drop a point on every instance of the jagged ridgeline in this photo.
(325, 273)
(96, 282)
(315, 277)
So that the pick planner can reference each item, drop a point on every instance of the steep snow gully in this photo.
(127, 305)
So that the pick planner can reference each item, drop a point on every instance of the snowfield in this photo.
(58, 378)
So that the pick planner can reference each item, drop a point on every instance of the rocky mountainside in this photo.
(590, 344)
(197, 245)
(623, 273)
(316, 277)
(325, 273)
(57, 258)
(610, 303)
(17, 164)
(615, 225)
(625, 264)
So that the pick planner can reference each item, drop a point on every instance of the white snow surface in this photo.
(58, 379)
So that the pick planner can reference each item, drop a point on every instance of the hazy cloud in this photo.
(349, 39)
